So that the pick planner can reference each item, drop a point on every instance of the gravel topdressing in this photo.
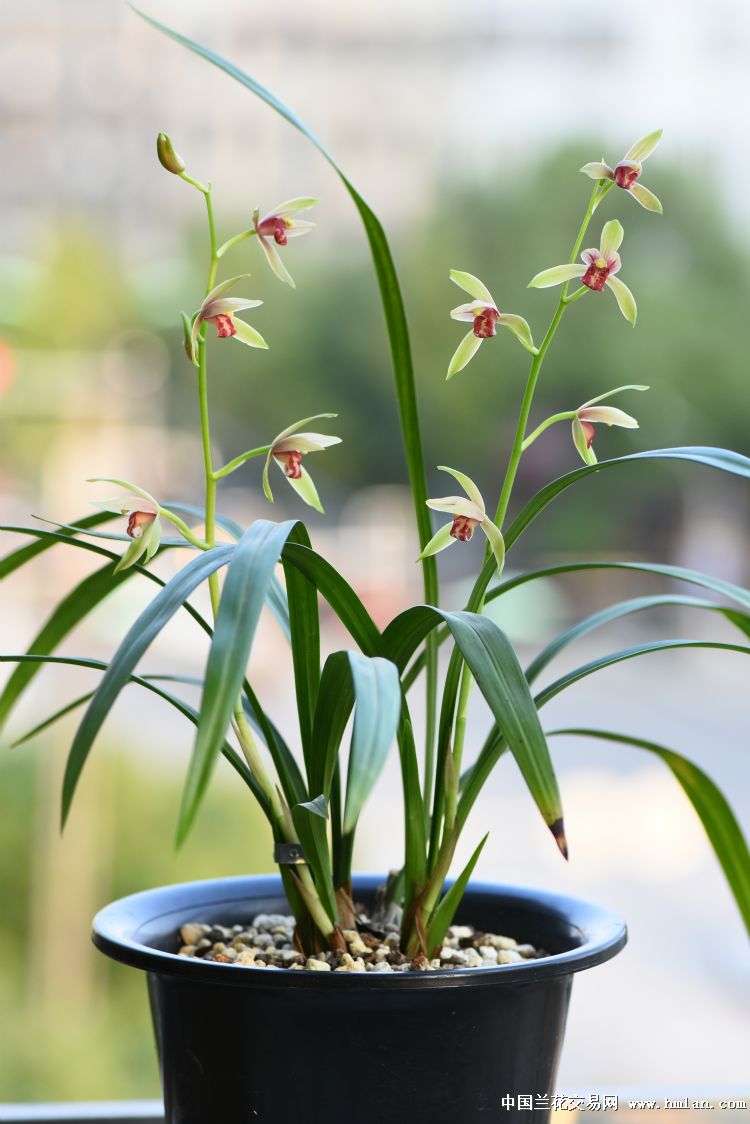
(268, 942)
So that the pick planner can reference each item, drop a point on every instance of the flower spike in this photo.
(278, 227)
(288, 449)
(220, 310)
(468, 513)
(590, 414)
(598, 269)
(485, 315)
(144, 524)
(628, 171)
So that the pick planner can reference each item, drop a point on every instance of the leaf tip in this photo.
(558, 830)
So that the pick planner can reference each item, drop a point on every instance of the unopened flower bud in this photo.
(168, 158)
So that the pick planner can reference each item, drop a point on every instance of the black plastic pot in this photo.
(239, 1045)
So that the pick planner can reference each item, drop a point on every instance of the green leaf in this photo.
(495, 667)
(390, 293)
(691, 577)
(339, 595)
(287, 769)
(148, 625)
(721, 459)
(249, 574)
(310, 821)
(142, 681)
(724, 833)
(443, 914)
(377, 691)
(579, 673)
(332, 712)
(302, 596)
(24, 554)
(622, 609)
(71, 610)
(494, 746)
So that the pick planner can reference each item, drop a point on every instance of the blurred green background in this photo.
(468, 140)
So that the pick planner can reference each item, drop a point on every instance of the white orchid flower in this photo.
(590, 414)
(144, 524)
(598, 269)
(288, 449)
(220, 310)
(485, 314)
(468, 513)
(278, 227)
(627, 172)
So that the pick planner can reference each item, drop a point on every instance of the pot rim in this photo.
(115, 931)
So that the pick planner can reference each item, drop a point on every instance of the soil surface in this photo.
(268, 942)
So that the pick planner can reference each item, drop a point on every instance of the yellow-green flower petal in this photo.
(624, 297)
(496, 541)
(465, 351)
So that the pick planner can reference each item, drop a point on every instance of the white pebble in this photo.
(192, 933)
(317, 965)
(508, 956)
(351, 964)
(460, 931)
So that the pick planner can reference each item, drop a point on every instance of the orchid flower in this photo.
(144, 524)
(468, 513)
(485, 315)
(277, 226)
(288, 450)
(598, 269)
(626, 173)
(589, 414)
(219, 310)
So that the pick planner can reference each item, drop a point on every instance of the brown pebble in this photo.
(420, 963)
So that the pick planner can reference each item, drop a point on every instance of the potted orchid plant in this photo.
(330, 989)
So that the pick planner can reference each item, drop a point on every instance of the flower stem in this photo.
(450, 791)
(567, 415)
(242, 727)
(231, 242)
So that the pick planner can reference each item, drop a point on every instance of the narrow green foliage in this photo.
(311, 823)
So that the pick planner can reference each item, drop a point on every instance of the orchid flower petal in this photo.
(222, 288)
(598, 170)
(305, 489)
(624, 298)
(471, 285)
(439, 541)
(248, 335)
(588, 456)
(296, 426)
(557, 275)
(133, 554)
(296, 228)
(458, 505)
(519, 327)
(646, 198)
(465, 351)
(607, 415)
(228, 305)
(274, 260)
(644, 147)
(194, 333)
(132, 490)
(467, 484)
(612, 236)
(496, 541)
(468, 311)
(609, 393)
(305, 443)
(293, 206)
